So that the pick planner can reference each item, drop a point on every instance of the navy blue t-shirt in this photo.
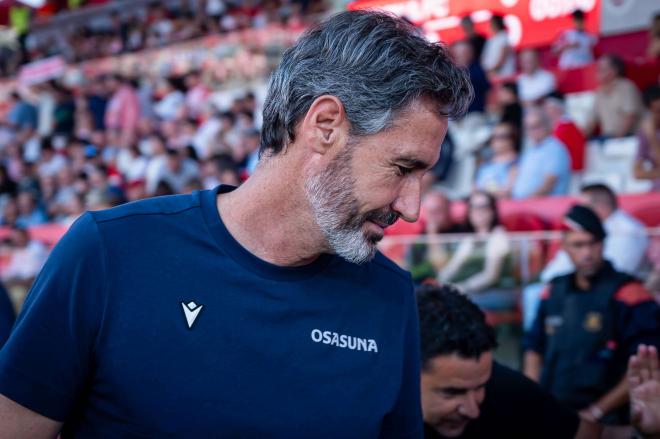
(150, 320)
(6, 315)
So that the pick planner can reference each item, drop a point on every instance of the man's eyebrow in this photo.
(412, 163)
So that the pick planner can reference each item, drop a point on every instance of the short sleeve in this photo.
(48, 357)
(631, 101)
(534, 339)
(405, 420)
(556, 160)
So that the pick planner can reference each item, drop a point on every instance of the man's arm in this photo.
(20, 422)
(547, 186)
(533, 364)
(612, 400)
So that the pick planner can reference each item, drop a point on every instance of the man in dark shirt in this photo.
(588, 324)
(464, 393)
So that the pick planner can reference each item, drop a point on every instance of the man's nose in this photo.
(407, 202)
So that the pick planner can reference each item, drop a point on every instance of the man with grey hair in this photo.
(545, 166)
(261, 311)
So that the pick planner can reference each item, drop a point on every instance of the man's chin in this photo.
(451, 429)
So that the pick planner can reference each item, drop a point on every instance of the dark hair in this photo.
(498, 22)
(616, 62)
(651, 94)
(578, 14)
(601, 194)
(376, 64)
(450, 323)
(492, 203)
(512, 87)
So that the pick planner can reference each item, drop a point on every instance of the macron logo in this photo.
(191, 310)
(344, 341)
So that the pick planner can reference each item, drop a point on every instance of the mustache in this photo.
(386, 217)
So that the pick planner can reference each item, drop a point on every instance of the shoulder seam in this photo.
(398, 272)
(128, 215)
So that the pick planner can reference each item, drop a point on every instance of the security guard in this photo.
(588, 324)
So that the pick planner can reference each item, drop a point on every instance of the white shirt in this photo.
(536, 85)
(625, 247)
(26, 262)
(576, 56)
(492, 52)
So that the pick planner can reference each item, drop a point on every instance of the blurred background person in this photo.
(497, 175)
(498, 57)
(647, 162)
(481, 265)
(575, 46)
(534, 82)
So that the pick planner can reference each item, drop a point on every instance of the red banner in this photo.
(530, 23)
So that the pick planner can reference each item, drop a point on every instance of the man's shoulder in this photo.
(633, 293)
(391, 270)
(165, 205)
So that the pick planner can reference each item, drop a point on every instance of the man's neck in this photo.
(270, 217)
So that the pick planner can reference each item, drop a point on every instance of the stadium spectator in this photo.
(481, 266)
(123, 109)
(510, 110)
(476, 40)
(545, 166)
(9, 51)
(498, 174)
(618, 105)
(22, 115)
(463, 52)
(534, 82)
(498, 58)
(575, 46)
(428, 259)
(589, 322)
(27, 258)
(465, 394)
(29, 212)
(565, 130)
(647, 162)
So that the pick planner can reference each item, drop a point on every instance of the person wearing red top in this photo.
(565, 130)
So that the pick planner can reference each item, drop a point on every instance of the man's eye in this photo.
(404, 170)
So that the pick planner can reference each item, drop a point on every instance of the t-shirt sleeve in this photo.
(405, 420)
(556, 160)
(48, 357)
(534, 339)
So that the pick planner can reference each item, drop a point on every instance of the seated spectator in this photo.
(465, 394)
(29, 212)
(647, 163)
(27, 258)
(545, 166)
(498, 174)
(175, 170)
(464, 54)
(481, 266)
(589, 322)
(575, 46)
(510, 109)
(476, 40)
(534, 83)
(498, 58)
(22, 114)
(566, 131)
(618, 105)
(428, 259)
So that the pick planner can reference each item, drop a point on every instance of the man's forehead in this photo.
(456, 371)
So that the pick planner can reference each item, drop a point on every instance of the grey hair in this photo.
(376, 64)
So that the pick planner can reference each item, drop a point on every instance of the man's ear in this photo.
(325, 125)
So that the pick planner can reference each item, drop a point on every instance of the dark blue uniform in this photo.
(6, 315)
(586, 337)
(150, 320)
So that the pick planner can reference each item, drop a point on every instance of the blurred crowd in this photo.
(144, 26)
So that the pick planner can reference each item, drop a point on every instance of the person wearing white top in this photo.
(534, 83)
(575, 46)
(498, 57)
(625, 243)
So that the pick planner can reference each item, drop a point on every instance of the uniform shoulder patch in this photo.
(633, 293)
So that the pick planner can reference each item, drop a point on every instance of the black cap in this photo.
(581, 218)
